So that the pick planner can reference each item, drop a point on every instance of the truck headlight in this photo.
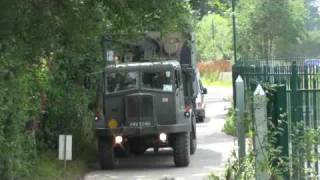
(118, 139)
(163, 137)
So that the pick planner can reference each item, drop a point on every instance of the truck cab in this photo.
(144, 95)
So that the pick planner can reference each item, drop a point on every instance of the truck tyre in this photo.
(156, 150)
(203, 117)
(181, 149)
(193, 136)
(106, 153)
(120, 151)
(137, 150)
(193, 142)
(200, 119)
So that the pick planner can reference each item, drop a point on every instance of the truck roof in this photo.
(138, 66)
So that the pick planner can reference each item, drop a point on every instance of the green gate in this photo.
(297, 81)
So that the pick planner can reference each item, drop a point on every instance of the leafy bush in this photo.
(46, 49)
(212, 176)
(240, 171)
(230, 124)
(272, 163)
(18, 104)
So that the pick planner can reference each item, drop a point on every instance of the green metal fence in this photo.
(301, 78)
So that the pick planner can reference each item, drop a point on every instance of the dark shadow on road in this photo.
(163, 160)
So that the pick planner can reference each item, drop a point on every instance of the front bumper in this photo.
(142, 131)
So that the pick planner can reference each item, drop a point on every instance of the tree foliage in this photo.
(46, 48)
(205, 7)
(313, 18)
(214, 37)
(264, 28)
(270, 27)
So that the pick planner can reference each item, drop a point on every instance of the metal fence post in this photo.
(234, 77)
(293, 86)
(283, 124)
(296, 117)
(261, 131)
(315, 123)
(240, 118)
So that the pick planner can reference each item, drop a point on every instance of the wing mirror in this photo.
(204, 91)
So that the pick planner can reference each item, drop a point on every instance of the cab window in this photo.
(161, 80)
(121, 81)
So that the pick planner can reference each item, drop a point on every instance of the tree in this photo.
(313, 19)
(270, 27)
(46, 48)
(205, 7)
(214, 37)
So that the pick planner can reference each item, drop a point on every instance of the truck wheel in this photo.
(120, 151)
(181, 149)
(137, 150)
(155, 150)
(193, 137)
(106, 153)
(193, 142)
(200, 119)
(203, 117)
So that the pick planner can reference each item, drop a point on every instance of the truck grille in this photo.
(139, 110)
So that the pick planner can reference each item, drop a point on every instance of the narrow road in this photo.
(214, 148)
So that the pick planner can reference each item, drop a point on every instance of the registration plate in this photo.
(139, 124)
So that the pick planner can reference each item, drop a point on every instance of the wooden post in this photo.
(261, 131)
(240, 118)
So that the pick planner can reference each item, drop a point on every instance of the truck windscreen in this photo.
(116, 82)
(157, 80)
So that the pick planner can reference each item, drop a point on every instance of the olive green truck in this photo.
(147, 97)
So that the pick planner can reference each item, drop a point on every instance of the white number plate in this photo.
(139, 124)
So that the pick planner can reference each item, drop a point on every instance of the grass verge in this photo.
(48, 167)
(212, 79)
(217, 83)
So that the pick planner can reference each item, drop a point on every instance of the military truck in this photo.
(147, 97)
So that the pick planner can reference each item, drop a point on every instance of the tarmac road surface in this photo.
(214, 148)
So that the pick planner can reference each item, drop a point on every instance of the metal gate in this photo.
(296, 92)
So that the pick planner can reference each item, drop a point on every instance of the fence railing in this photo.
(301, 78)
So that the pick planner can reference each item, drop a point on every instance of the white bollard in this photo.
(261, 131)
(240, 118)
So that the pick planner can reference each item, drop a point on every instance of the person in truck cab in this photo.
(160, 79)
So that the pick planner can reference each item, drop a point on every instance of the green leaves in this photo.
(270, 27)
(214, 40)
(46, 49)
(129, 16)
